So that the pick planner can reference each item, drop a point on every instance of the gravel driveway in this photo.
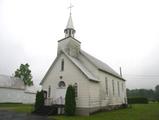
(10, 115)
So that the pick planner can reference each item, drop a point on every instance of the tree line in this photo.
(151, 95)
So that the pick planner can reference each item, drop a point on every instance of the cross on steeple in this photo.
(70, 31)
(70, 7)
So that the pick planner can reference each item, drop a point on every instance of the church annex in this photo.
(96, 84)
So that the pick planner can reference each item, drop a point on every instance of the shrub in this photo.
(70, 102)
(135, 100)
(39, 102)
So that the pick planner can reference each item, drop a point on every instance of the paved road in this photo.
(10, 115)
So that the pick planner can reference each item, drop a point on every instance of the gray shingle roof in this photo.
(100, 65)
(11, 82)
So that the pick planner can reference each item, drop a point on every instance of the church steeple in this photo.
(69, 31)
(69, 44)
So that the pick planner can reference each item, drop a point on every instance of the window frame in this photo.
(49, 91)
(60, 84)
(113, 87)
(62, 65)
(106, 86)
(118, 88)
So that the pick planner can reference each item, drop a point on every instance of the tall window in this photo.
(118, 89)
(113, 87)
(49, 91)
(106, 85)
(76, 89)
(122, 87)
(62, 65)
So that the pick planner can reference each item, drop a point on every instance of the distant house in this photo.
(13, 90)
(97, 86)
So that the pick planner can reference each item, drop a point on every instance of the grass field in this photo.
(137, 112)
(17, 107)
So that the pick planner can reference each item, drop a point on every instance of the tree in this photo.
(70, 102)
(39, 102)
(146, 93)
(25, 74)
(157, 92)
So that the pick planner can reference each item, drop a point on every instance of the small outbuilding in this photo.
(13, 90)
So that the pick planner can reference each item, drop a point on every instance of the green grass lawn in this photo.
(137, 112)
(17, 107)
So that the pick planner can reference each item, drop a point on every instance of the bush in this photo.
(39, 102)
(70, 102)
(137, 100)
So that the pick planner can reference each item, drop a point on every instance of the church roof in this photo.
(100, 65)
(70, 23)
(11, 82)
(97, 63)
(79, 64)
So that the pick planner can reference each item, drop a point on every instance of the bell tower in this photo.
(69, 44)
(69, 31)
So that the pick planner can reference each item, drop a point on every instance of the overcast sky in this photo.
(119, 32)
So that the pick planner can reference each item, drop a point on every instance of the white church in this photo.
(97, 86)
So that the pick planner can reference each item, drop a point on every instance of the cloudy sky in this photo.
(119, 32)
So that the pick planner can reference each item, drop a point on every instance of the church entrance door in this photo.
(60, 96)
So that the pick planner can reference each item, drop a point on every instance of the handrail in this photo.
(57, 101)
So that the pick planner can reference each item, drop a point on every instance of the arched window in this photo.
(61, 84)
(62, 65)
(76, 89)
